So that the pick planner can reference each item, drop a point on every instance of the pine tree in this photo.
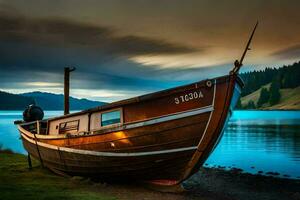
(274, 92)
(263, 97)
(239, 104)
(251, 105)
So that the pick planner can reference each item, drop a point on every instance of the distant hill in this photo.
(47, 101)
(10, 101)
(287, 76)
(290, 99)
(271, 88)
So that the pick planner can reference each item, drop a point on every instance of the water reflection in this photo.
(261, 141)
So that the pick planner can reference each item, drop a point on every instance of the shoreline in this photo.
(255, 171)
(18, 182)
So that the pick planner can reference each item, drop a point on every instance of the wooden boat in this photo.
(163, 137)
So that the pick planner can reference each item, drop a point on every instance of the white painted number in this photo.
(188, 97)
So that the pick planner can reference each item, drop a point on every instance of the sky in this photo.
(127, 48)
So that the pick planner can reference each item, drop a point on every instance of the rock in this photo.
(273, 173)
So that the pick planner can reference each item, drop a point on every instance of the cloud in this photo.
(70, 34)
(43, 46)
(34, 51)
(292, 52)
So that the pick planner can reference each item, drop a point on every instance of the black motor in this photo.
(33, 113)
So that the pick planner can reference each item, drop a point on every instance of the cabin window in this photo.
(109, 118)
(68, 127)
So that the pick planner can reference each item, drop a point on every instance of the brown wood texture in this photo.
(166, 105)
(150, 167)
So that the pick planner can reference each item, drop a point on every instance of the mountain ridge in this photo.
(46, 100)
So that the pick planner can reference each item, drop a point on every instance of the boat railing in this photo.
(36, 127)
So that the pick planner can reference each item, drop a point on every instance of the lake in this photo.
(267, 141)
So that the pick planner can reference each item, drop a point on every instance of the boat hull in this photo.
(153, 144)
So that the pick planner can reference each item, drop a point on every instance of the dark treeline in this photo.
(280, 78)
(286, 76)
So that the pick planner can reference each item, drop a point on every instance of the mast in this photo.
(239, 64)
(67, 89)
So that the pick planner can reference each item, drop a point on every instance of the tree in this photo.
(263, 97)
(274, 92)
(239, 104)
(251, 105)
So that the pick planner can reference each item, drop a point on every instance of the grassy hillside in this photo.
(254, 96)
(271, 88)
(290, 99)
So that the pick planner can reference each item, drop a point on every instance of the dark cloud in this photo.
(292, 52)
(60, 32)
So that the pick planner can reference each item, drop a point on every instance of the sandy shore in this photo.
(18, 182)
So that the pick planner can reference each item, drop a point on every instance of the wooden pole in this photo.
(67, 89)
(29, 161)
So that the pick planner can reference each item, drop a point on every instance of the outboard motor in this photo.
(33, 113)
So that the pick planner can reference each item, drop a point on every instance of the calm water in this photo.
(9, 136)
(267, 141)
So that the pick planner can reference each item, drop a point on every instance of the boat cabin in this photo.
(86, 122)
